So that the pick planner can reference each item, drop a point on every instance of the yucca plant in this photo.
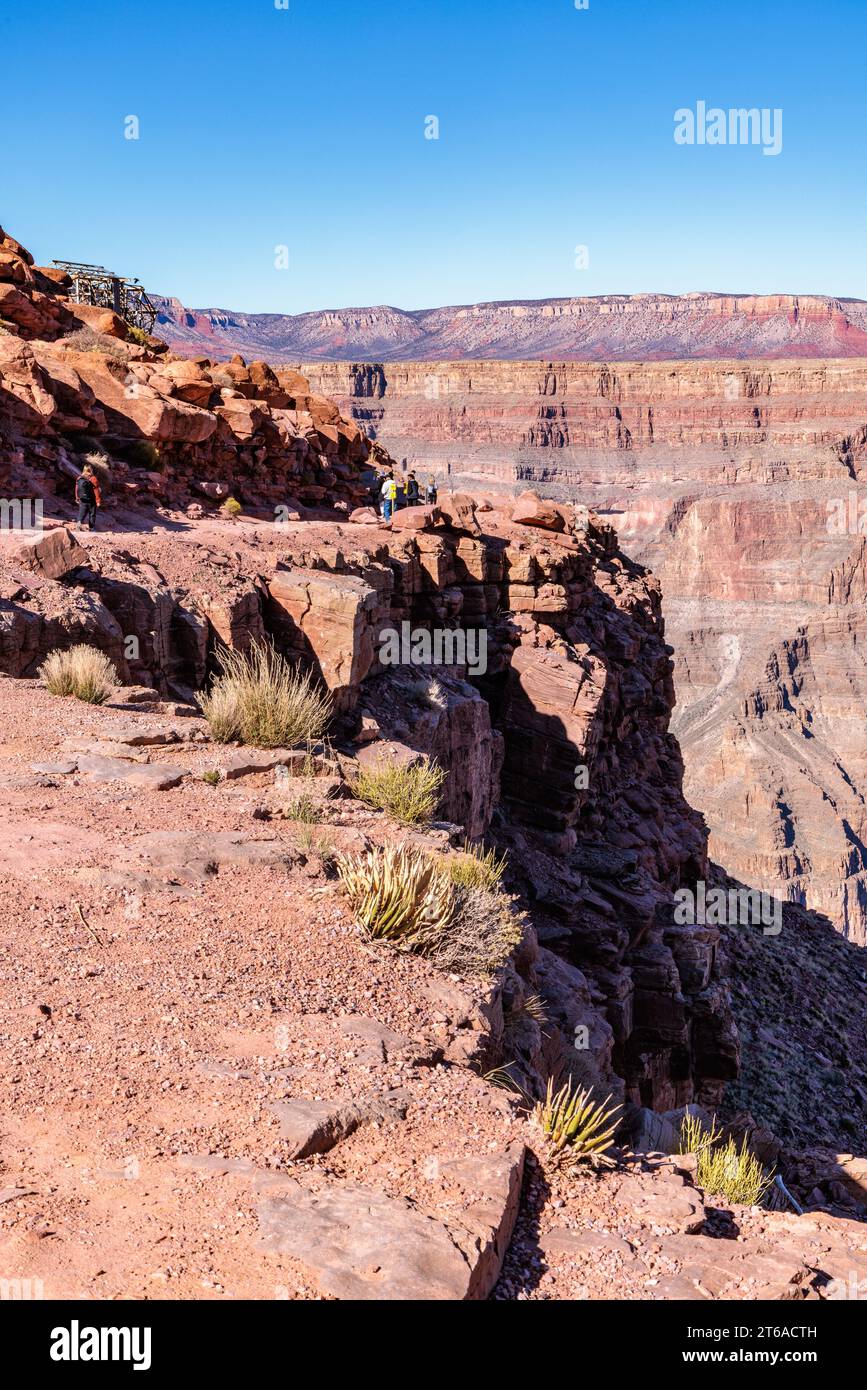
(259, 699)
(398, 895)
(572, 1120)
(475, 867)
(81, 671)
(410, 792)
(733, 1173)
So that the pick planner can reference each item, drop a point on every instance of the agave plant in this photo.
(399, 895)
(571, 1119)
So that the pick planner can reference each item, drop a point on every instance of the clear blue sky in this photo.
(304, 127)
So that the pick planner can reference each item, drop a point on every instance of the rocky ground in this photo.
(187, 1004)
(215, 1086)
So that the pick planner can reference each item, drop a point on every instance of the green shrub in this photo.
(211, 778)
(410, 792)
(724, 1170)
(137, 335)
(259, 699)
(571, 1120)
(141, 453)
(475, 867)
(81, 671)
(231, 508)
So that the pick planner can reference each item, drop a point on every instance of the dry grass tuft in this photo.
(258, 699)
(81, 671)
(410, 792)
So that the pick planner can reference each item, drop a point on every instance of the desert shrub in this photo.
(314, 840)
(484, 931)
(429, 691)
(398, 895)
(137, 335)
(231, 508)
(475, 867)
(81, 671)
(724, 1170)
(88, 340)
(572, 1120)
(259, 699)
(532, 1007)
(694, 1134)
(303, 809)
(410, 792)
(211, 778)
(404, 896)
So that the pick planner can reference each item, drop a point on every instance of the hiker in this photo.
(413, 497)
(389, 496)
(430, 492)
(88, 497)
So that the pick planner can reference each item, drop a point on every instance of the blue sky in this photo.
(304, 127)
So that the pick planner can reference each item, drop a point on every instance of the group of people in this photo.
(393, 494)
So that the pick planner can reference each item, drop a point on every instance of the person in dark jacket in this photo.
(87, 496)
(411, 491)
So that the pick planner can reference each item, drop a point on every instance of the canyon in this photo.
(189, 1003)
(743, 487)
(597, 328)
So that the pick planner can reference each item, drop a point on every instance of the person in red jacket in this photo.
(87, 495)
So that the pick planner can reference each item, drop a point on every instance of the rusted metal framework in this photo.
(93, 284)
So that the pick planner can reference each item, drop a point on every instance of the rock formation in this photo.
(608, 327)
(184, 987)
(744, 488)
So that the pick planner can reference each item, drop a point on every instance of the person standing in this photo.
(88, 497)
(389, 497)
(413, 496)
(430, 492)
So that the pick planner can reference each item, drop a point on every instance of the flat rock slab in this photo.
(383, 1044)
(156, 777)
(193, 855)
(359, 1243)
(246, 762)
(153, 735)
(315, 1126)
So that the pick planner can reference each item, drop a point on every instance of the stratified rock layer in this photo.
(743, 486)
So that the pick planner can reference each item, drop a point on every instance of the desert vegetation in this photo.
(410, 792)
(259, 699)
(723, 1169)
(406, 897)
(572, 1120)
(80, 671)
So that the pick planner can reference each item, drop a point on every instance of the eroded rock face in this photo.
(742, 485)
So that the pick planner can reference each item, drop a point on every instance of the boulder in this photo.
(55, 553)
(531, 510)
(415, 518)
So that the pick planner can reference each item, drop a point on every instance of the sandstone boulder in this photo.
(415, 518)
(531, 510)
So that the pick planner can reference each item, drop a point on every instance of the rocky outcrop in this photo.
(170, 430)
(743, 486)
